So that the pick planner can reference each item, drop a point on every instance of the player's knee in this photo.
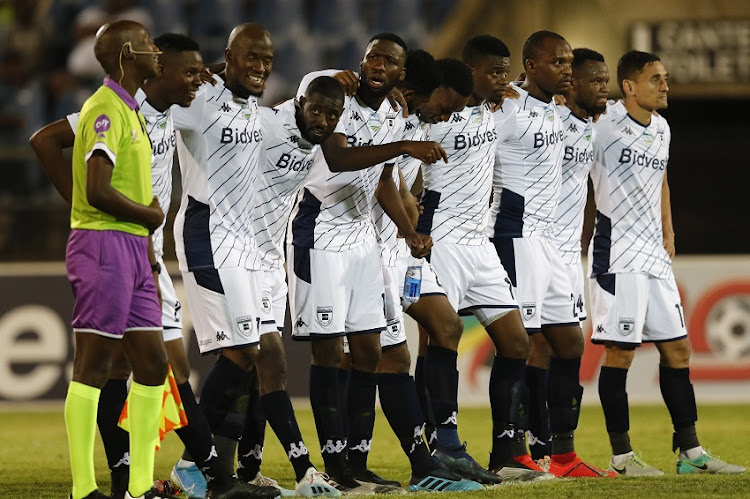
(365, 352)
(618, 356)
(120, 368)
(244, 357)
(272, 369)
(540, 352)
(395, 360)
(675, 354)
(181, 371)
(327, 352)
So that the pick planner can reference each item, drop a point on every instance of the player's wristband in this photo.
(155, 267)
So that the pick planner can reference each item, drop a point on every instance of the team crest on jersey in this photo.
(374, 122)
(245, 325)
(549, 115)
(265, 304)
(324, 316)
(647, 138)
(528, 310)
(627, 325)
(161, 124)
(476, 115)
(587, 132)
(390, 120)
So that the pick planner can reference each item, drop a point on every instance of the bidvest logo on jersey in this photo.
(290, 162)
(547, 139)
(578, 155)
(464, 140)
(627, 155)
(165, 145)
(355, 141)
(240, 135)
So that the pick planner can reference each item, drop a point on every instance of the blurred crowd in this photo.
(48, 69)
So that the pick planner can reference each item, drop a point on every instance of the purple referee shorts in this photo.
(112, 283)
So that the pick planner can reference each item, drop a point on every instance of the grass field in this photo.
(34, 455)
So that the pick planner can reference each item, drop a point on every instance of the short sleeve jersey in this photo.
(219, 151)
(334, 212)
(578, 156)
(111, 123)
(386, 228)
(286, 160)
(630, 160)
(527, 176)
(160, 130)
(457, 194)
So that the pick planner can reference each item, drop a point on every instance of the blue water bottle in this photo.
(413, 280)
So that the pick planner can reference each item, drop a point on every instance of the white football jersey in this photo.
(526, 182)
(286, 159)
(629, 165)
(219, 151)
(457, 194)
(578, 156)
(334, 211)
(385, 228)
(160, 129)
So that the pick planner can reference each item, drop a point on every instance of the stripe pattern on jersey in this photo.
(528, 158)
(457, 194)
(578, 156)
(628, 172)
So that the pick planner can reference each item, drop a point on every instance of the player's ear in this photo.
(627, 87)
(127, 51)
(299, 102)
(228, 55)
(528, 65)
(402, 75)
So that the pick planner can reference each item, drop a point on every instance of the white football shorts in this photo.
(633, 308)
(336, 293)
(540, 280)
(224, 306)
(272, 300)
(575, 272)
(430, 283)
(171, 308)
(395, 331)
(473, 278)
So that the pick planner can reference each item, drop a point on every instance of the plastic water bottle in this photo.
(413, 280)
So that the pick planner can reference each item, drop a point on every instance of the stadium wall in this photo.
(36, 347)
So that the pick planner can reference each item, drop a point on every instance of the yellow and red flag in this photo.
(173, 415)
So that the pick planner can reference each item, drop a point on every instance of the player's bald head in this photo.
(110, 40)
(247, 32)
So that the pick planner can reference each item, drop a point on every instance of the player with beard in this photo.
(177, 83)
(456, 200)
(334, 251)
(634, 295)
(526, 194)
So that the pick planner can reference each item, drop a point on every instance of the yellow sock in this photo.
(80, 421)
(144, 411)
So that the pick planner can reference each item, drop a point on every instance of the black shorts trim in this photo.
(533, 330)
(433, 294)
(391, 347)
(366, 331)
(563, 324)
(311, 336)
(217, 351)
(268, 322)
(668, 340)
(616, 343)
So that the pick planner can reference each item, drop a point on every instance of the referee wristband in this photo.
(155, 267)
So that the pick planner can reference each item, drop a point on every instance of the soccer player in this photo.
(112, 214)
(177, 83)
(527, 177)
(292, 131)
(219, 152)
(634, 296)
(433, 92)
(585, 98)
(333, 252)
(456, 201)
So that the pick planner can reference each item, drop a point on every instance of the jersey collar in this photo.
(123, 94)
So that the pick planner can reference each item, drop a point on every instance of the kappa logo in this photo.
(599, 328)
(457, 118)
(533, 114)
(452, 419)
(300, 323)
(363, 446)
(294, 139)
(324, 316)
(225, 108)
(221, 336)
(628, 131)
(356, 116)
(124, 461)
(256, 452)
(627, 325)
(265, 303)
(408, 126)
(573, 128)
(528, 310)
(297, 450)
(245, 325)
(333, 448)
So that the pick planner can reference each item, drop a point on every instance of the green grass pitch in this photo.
(34, 455)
